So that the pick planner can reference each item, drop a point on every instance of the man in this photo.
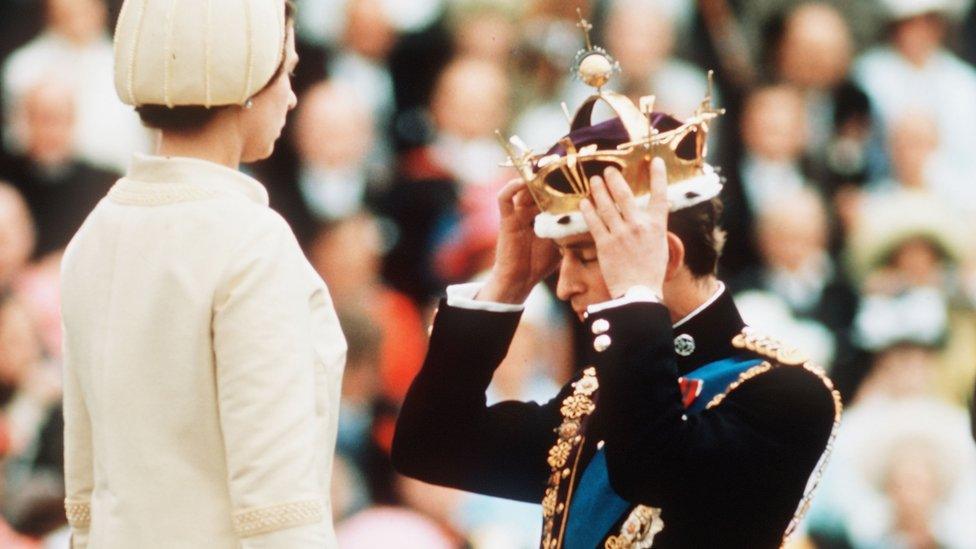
(682, 430)
(60, 188)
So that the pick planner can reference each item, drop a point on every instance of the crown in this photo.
(560, 178)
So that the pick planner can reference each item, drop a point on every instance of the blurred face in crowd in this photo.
(471, 99)
(816, 48)
(348, 256)
(774, 124)
(80, 21)
(368, 30)
(16, 234)
(333, 127)
(48, 120)
(641, 37)
(20, 348)
(485, 34)
(914, 138)
(919, 37)
(918, 261)
(261, 124)
(793, 232)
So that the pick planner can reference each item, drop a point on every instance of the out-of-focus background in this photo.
(849, 152)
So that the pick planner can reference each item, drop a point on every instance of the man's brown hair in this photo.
(699, 230)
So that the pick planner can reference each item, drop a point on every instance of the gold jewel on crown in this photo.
(559, 183)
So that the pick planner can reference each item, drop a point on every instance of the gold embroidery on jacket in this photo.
(638, 531)
(568, 447)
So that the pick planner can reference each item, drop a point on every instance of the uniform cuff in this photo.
(463, 296)
(635, 294)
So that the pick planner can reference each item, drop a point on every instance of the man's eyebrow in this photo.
(576, 246)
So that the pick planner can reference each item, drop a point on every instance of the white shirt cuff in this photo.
(636, 294)
(463, 296)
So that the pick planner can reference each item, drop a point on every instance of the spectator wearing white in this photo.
(203, 357)
(334, 134)
(640, 34)
(815, 55)
(366, 41)
(470, 102)
(914, 71)
(903, 474)
(774, 135)
(60, 189)
(909, 241)
(75, 47)
(798, 293)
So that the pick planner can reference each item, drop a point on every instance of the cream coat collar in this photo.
(174, 178)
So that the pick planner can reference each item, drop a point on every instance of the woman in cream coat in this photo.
(203, 358)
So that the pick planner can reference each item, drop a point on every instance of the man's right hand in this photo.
(522, 259)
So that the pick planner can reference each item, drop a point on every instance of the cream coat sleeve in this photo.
(266, 370)
(78, 464)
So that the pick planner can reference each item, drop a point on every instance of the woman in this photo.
(202, 354)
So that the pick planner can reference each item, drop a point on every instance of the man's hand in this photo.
(631, 242)
(521, 258)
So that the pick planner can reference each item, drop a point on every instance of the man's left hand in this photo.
(631, 241)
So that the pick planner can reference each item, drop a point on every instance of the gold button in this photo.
(600, 326)
(601, 343)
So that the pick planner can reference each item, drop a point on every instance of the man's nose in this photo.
(566, 287)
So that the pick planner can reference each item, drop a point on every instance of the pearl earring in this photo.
(249, 103)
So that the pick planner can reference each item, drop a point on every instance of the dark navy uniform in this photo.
(701, 435)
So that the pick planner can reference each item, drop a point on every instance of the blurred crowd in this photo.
(849, 157)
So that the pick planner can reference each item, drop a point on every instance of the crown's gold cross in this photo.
(586, 26)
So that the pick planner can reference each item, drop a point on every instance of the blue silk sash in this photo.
(596, 508)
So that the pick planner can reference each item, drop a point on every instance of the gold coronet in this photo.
(559, 183)
(577, 166)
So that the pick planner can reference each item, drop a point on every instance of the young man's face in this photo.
(581, 281)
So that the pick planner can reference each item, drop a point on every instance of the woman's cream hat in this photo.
(197, 52)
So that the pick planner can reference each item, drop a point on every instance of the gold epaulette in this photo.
(768, 348)
(776, 354)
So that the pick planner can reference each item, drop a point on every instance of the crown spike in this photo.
(572, 168)
(517, 159)
(586, 26)
(569, 117)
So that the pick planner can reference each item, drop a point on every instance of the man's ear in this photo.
(676, 256)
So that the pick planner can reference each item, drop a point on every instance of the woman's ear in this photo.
(676, 256)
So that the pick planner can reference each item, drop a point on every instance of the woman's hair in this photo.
(188, 118)
(699, 230)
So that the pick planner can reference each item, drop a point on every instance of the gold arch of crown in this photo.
(595, 67)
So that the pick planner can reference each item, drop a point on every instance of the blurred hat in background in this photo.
(939, 427)
(898, 10)
(891, 221)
